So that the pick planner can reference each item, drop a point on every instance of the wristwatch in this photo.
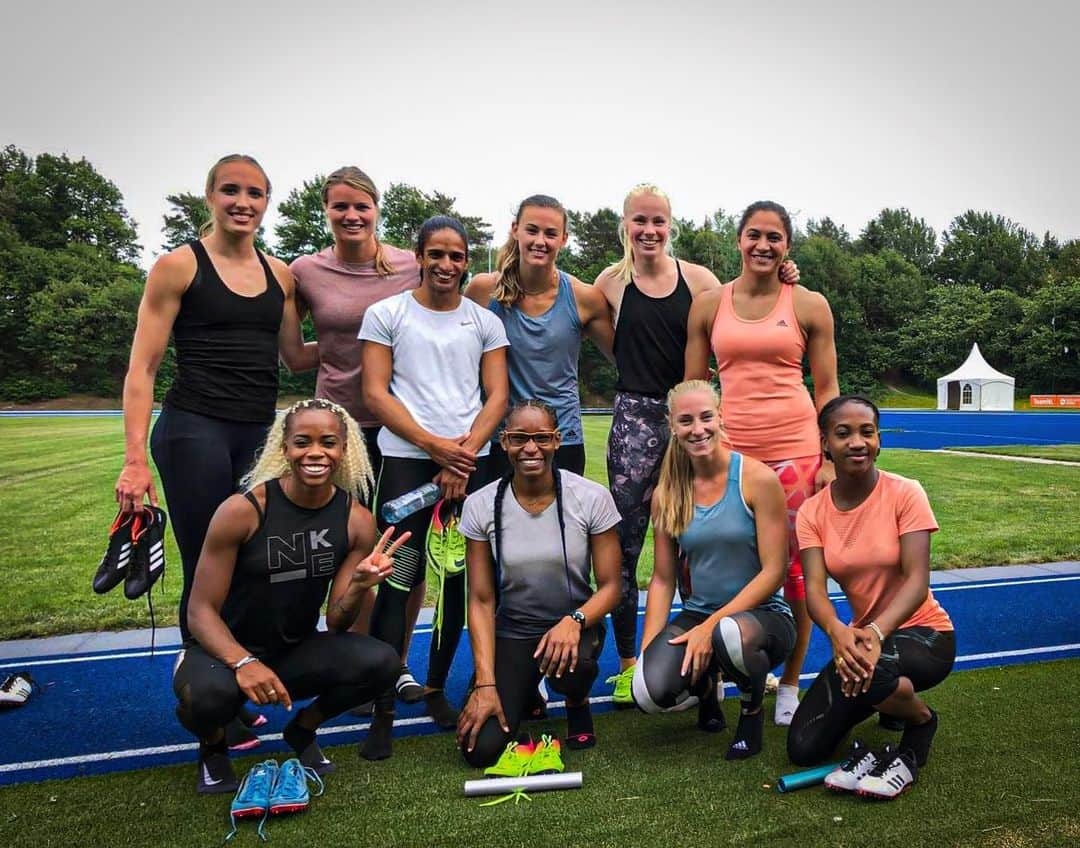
(578, 616)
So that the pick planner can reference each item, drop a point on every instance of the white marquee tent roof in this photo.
(975, 367)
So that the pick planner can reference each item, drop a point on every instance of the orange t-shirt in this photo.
(862, 546)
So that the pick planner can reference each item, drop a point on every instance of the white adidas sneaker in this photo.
(893, 774)
(845, 777)
(15, 689)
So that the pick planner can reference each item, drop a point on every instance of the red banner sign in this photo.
(1054, 401)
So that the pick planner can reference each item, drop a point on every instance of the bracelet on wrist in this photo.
(484, 686)
(877, 631)
(240, 663)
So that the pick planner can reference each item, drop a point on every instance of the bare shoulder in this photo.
(282, 273)
(237, 518)
(585, 293)
(760, 480)
(699, 278)
(175, 270)
(707, 302)
(812, 301)
(481, 286)
(608, 279)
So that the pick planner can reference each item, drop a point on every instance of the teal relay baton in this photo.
(802, 779)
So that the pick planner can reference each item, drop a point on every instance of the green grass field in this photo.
(1065, 453)
(57, 477)
(1002, 775)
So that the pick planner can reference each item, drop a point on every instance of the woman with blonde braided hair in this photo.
(545, 312)
(269, 558)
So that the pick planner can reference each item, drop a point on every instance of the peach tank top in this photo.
(768, 413)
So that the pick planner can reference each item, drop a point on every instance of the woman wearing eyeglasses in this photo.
(532, 613)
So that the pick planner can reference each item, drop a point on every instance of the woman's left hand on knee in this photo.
(699, 651)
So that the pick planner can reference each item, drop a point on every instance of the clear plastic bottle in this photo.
(405, 505)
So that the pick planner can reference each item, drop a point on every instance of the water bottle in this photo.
(405, 505)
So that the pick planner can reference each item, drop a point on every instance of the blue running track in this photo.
(99, 712)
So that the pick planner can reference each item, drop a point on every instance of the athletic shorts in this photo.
(797, 477)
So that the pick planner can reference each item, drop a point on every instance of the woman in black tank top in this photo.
(269, 558)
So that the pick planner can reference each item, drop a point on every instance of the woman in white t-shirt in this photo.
(532, 613)
(427, 356)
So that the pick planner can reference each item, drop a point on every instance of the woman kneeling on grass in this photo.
(269, 556)
(725, 513)
(531, 536)
(870, 531)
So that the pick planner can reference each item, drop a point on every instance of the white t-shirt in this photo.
(537, 586)
(436, 371)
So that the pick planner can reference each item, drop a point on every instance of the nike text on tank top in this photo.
(543, 357)
(226, 347)
(650, 339)
(720, 544)
(767, 412)
(284, 571)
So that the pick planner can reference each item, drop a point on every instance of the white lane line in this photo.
(107, 756)
(425, 629)
(1008, 457)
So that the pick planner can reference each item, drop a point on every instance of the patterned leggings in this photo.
(636, 445)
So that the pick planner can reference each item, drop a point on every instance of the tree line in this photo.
(908, 302)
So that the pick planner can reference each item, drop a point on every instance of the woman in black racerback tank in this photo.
(269, 558)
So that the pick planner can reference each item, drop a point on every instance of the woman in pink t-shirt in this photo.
(870, 531)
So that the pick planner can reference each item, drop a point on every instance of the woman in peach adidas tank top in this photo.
(760, 330)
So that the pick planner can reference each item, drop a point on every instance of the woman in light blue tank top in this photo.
(725, 513)
(545, 312)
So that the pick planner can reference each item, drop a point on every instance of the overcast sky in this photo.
(832, 108)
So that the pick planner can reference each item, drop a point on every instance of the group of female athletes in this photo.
(756, 494)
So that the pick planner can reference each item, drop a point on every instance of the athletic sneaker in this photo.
(408, 690)
(216, 775)
(893, 774)
(147, 561)
(547, 757)
(114, 562)
(252, 799)
(846, 776)
(15, 690)
(239, 735)
(445, 547)
(622, 697)
(290, 791)
(514, 760)
(787, 701)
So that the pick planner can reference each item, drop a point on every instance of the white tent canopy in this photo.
(976, 385)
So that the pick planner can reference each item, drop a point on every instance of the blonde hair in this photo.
(624, 268)
(353, 473)
(673, 498)
(354, 178)
(211, 181)
(508, 289)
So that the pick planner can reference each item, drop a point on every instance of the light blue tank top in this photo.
(721, 548)
(543, 357)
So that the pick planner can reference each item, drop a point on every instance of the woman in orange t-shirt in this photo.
(870, 531)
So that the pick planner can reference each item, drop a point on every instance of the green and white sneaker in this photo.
(623, 697)
(445, 553)
(514, 760)
(547, 757)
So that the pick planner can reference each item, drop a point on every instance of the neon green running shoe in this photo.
(445, 548)
(514, 760)
(622, 698)
(547, 758)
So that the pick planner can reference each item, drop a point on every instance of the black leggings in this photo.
(341, 670)
(567, 457)
(636, 446)
(746, 645)
(922, 655)
(388, 620)
(516, 677)
(200, 460)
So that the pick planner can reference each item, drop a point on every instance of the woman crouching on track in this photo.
(725, 512)
(870, 531)
(270, 555)
(531, 536)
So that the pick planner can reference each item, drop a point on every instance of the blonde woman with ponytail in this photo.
(649, 293)
(545, 312)
(725, 514)
(269, 559)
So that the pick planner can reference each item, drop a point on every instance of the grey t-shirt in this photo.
(537, 588)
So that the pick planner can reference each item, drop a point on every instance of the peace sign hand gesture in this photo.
(379, 564)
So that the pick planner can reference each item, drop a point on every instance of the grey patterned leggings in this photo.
(636, 446)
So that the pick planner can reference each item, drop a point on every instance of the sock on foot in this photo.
(787, 701)
(440, 709)
(917, 739)
(307, 749)
(579, 727)
(379, 744)
(710, 717)
(747, 742)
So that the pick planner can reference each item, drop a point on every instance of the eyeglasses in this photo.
(519, 438)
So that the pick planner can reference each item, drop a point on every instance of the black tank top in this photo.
(226, 347)
(284, 570)
(650, 339)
